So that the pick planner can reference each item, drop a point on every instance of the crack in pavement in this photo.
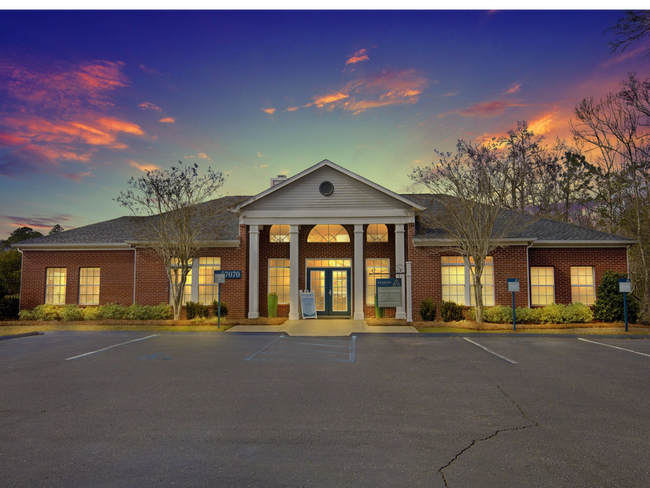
(533, 423)
(33, 416)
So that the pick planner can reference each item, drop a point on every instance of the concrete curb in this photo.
(529, 334)
(16, 336)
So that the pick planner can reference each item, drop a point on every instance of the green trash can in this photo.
(273, 305)
(379, 312)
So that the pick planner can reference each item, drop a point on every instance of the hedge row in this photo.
(551, 314)
(110, 311)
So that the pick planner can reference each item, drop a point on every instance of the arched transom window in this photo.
(377, 233)
(328, 233)
(279, 233)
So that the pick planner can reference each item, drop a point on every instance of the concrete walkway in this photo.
(338, 327)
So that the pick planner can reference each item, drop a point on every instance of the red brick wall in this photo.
(602, 259)
(510, 262)
(116, 275)
(270, 250)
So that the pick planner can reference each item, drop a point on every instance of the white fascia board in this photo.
(332, 165)
(223, 243)
(432, 242)
(72, 247)
(612, 243)
(326, 220)
(327, 213)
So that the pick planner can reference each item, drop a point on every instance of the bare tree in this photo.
(616, 129)
(462, 206)
(632, 27)
(174, 218)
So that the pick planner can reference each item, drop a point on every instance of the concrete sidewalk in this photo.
(328, 327)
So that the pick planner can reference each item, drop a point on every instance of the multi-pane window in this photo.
(88, 286)
(55, 286)
(542, 285)
(487, 280)
(375, 268)
(279, 279)
(377, 233)
(279, 233)
(329, 263)
(582, 285)
(328, 233)
(458, 282)
(208, 289)
(176, 276)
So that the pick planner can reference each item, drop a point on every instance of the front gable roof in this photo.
(350, 190)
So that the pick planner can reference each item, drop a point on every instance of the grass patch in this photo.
(470, 326)
(197, 325)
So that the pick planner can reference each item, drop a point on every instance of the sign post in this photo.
(220, 278)
(625, 287)
(513, 286)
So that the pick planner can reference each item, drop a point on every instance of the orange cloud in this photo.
(149, 106)
(55, 114)
(484, 109)
(379, 90)
(543, 124)
(144, 167)
(357, 57)
(514, 88)
(167, 120)
(40, 222)
(269, 111)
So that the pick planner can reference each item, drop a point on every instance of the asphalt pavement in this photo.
(247, 410)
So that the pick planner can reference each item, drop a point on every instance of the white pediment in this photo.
(353, 196)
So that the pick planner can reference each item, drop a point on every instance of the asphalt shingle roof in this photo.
(120, 230)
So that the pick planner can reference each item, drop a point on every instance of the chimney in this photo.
(278, 180)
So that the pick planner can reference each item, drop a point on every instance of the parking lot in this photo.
(213, 409)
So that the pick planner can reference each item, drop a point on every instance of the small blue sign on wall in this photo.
(221, 276)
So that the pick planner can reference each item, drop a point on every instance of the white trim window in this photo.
(542, 286)
(208, 290)
(279, 278)
(55, 285)
(328, 233)
(187, 290)
(583, 289)
(89, 286)
(377, 233)
(375, 269)
(279, 233)
(457, 281)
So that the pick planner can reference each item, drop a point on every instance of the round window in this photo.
(326, 188)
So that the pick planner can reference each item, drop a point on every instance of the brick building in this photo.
(328, 230)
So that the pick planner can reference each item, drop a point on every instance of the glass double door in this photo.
(331, 287)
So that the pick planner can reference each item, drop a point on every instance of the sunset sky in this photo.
(89, 99)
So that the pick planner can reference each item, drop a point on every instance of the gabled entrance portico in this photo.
(324, 195)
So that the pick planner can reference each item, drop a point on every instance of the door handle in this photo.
(330, 292)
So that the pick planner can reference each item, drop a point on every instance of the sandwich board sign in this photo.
(308, 304)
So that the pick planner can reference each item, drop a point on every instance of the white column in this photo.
(253, 272)
(409, 293)
(294, 273)
(399, 267)
(359, 266)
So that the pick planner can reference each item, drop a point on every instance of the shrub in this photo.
(164, 311)
(577, 313)
(90, 313)
(47, 312)
(111, 311)
(528, 315)
(451, 312)
(609, 304)
(428, 310)
(9, 307)
(26, 315)
(499, 314)
(552, 314)
(195, 310)
(215, 309)
(71, 312)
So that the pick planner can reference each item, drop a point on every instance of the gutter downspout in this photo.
(528, 271)
(20, 293)
(135, 260)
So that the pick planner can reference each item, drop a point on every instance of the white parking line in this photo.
(615, 347)
(111, 347)
(490, 351)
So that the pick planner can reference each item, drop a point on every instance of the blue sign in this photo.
(389, 292)
(228, 275)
